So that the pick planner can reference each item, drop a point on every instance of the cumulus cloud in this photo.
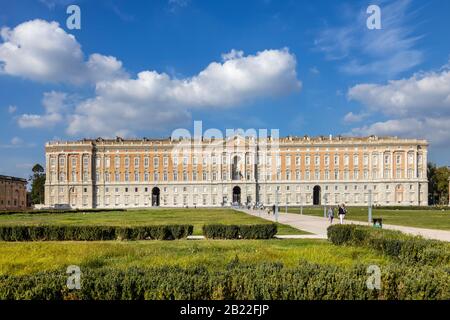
(154, 99)
(422, 94)
(42, 51)
(55, 105)
(418, 106)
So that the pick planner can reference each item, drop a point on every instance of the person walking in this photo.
(342, 212)
(331, 214)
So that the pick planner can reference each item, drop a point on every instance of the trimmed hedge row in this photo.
(92, 233)
(307, 281)
(6, 212)
(408, 249)
(254, 231)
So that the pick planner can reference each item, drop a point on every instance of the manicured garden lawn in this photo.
(195, 217)
(30, 257)
(432, 219)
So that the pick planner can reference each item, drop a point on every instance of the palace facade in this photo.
(136, 173)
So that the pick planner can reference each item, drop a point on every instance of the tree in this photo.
(438, 184)
(37, 184)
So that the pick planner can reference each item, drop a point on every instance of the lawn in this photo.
(31, 257)
(432, 219)
(195, 217)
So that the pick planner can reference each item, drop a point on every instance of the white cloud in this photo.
(153, 99)
(42, 51)
(354, 117)
(422, 94)
(389, 51)
(12, 109)
(56, 105)
(418, 106)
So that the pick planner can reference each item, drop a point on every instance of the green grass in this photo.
(432, 219)
(196, 217)
(29, 257)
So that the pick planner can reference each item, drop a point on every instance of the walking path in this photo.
(318, 225)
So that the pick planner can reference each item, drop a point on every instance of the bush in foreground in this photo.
(93, 233)
(254, 231)
(408, 249)
(307, 281)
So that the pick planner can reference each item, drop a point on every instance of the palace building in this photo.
(13, 193)
(208, 172)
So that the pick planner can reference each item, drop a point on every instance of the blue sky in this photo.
(140, 69)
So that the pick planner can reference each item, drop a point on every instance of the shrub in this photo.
(220, 231)
(256, 231)
(408, 249)
(306, 281)
(56, 211)
(93, 233)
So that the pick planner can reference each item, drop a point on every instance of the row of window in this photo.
(194, 176)
(248, 160)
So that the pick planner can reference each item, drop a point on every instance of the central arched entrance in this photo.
(236, 195)
(155, 197)
(316, 195)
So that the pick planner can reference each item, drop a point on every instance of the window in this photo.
(62, 161)
(297, 175)
(127, 176)
(375, 159)
(307, 160)
(165, 161)
(165, 178)
(355, 174)
(327, 160)
(106, 176)
(346, 159)
(156, 176)
(386, 159)
(146, 176)
(175, 176)
(288, 160)
(317, 160)
(127, 162)
(355, 160)
(117, 162)
(156, 161)
(146, 162)
(97, 162)
(336, 175)
(297, 160)
(366, 160)
(136, 162)
(336, 160)
(136, 176)
(107, 162)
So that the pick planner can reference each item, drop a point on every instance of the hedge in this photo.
(306, 281)
(92, 233)
(254, 231)
(6, 212)
(407, 249)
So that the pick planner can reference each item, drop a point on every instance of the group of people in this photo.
(340, 210)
